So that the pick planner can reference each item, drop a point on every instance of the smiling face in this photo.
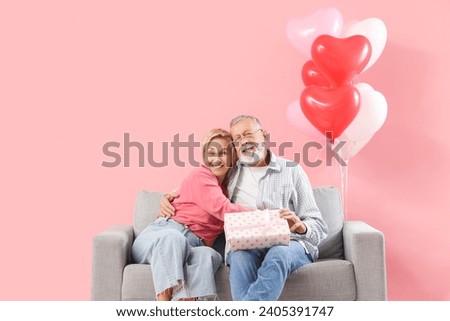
(249, 141)
(218, 157)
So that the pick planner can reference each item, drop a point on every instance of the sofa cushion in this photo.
(138, 283)
(327, 280)
(145, 210)
(329, 202)
(324, 280)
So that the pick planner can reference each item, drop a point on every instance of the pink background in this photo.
(75, 75)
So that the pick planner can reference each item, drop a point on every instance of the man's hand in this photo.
(295, 223)
(165, 207)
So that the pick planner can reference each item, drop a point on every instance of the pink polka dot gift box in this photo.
(255, 230)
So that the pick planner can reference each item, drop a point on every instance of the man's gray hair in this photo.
(240, 118)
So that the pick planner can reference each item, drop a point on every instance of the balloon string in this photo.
(344, 178)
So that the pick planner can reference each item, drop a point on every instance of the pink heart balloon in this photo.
(302, 31)
(298, 119)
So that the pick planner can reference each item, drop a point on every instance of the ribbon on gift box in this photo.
(267, 226)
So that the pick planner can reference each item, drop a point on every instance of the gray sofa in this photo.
(351, 265)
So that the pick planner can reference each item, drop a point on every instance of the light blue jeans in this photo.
(260, 274)
(178, 259)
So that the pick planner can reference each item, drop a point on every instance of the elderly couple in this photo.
(178, 244)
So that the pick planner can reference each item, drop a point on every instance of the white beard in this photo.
(252, 158)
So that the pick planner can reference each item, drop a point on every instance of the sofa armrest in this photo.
(111, 251)
(364, 246)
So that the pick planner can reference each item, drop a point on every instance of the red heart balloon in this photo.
(330, 109)
(311, 76)
(340, 59)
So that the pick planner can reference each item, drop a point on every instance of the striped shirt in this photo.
(286, 185)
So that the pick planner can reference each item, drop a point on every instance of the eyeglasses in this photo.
(247, 135)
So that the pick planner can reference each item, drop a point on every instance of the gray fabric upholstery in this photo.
(146, 209)
(351, 266)
(329, 203)
(137, 283)
(110, 253)
(317, 278)
(319, 282)
(365, 248)
(316, 281)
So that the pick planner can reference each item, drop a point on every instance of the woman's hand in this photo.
(295, 223)
(165, 207)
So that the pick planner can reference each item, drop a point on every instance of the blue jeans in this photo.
(260, 274)
(178, 259)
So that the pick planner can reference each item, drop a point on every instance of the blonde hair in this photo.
(218, 133)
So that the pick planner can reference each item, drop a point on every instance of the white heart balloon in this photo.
(355, 147)
(302, 31)
(351, 148)
(371, 116)
(374, 30)
(363, 86)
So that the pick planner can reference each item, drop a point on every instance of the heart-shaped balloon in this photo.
(340, 59)
(355, 147)
(330, 110)
(351, 148)
(302, 31)
(371, 116)
(312, 77)
(373, 29)
(298, 119)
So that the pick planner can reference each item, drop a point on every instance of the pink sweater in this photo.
(202, 204)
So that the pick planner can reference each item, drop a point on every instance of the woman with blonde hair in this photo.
(178, 248)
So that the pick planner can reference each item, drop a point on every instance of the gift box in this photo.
(255, 230)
